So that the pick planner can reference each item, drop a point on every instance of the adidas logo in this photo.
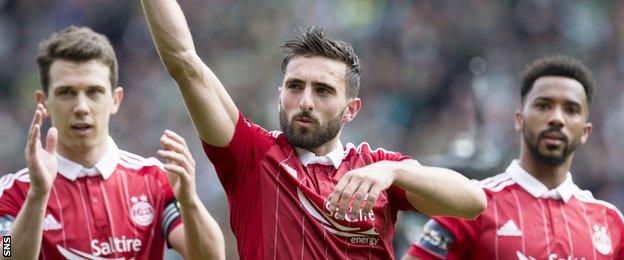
(50, 223)
(509, 229)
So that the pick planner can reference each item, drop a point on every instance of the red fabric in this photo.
(277, 206)
(550, 229)
(93, 217)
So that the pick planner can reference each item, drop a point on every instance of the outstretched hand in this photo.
(180, 166)
(41, 162)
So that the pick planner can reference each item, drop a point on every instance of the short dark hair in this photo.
(77, 44)
(557, 66)
(314, 42)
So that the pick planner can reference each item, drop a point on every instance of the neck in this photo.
(86, 157)
(325, 148)
(550, 176)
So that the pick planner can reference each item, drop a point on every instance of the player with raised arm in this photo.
(81, 197)
(299, 193)
(535, 211)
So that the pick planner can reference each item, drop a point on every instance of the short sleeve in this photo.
(233, 163)
(13, 189)
(445, 238)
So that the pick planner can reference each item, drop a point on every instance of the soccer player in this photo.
(535, 211)
(81, 197)
(299, 193)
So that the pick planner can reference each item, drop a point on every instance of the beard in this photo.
(551, 160)
(312, 137)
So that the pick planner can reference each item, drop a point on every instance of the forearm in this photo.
(203, 236)
(170, 32)
(439, 191)
(27, 231)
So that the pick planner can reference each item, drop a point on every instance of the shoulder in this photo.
(14, 180)
(496, 183)
(139, 163)
(365, 151)
(587, 197)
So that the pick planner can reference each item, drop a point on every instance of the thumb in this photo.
(51, 140)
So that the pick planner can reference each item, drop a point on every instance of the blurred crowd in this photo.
(439, 80)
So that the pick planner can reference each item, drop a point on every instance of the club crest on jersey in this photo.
(141, 212)
(601, 241)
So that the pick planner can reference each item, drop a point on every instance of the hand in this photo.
(361, 184)
(42, 164)
(180, 166)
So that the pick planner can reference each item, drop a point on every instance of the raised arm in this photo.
(27, 230)
(212, 110)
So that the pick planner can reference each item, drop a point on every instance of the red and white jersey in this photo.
(278, 199)
(525, 220)
(122, 208)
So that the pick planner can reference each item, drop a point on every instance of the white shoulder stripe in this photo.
(495, 180)
(7, 181)
(134, 161)
(501, 185)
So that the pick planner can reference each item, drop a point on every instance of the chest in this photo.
(113, 218)
(521, 227)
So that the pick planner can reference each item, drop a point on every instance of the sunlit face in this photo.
(80, 101)
(553, 120)
(313, 103)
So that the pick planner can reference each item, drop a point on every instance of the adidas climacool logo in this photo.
(509, 229)
(50, 223)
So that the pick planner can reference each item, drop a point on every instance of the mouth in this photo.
(304, 121)
(82, 128)
(554, 138)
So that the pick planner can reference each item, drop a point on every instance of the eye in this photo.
(294, 86)
(95, 91)
(65, 92)
(572, 110)
(542, 106)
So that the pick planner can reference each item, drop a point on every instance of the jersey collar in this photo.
(332, 158)
(534, 187)
(105, 167)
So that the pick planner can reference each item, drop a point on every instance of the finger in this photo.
(335, 196)
(359, 196)
(171, 144)
(177, 171)
(51, 140)
(346, 196)
(33, 140)
(40, 114)
(373, 194)
(175, 158)
(173, 135)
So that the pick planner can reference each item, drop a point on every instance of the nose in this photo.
(306, 103)
(82, 107)
(556, 117)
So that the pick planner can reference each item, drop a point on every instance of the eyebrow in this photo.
(549, 99)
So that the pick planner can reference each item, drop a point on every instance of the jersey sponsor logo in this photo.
(601, 240)
(74, 254)
(355, 235)
(509, 229)
(141, 212)
(290, 170)
(50, 223)
(553, 256)
(436, 238)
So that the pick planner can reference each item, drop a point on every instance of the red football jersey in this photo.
(122, 208)
(279, 207)
(525, 220)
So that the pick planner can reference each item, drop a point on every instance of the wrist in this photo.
(38, 194)
(189, 201)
